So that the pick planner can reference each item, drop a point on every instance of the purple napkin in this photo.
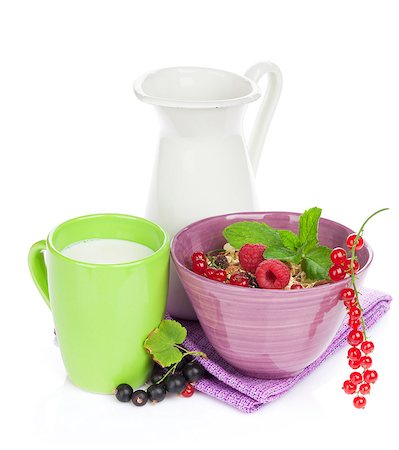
(249, 394)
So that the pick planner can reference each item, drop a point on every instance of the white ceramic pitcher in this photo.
(203, 167)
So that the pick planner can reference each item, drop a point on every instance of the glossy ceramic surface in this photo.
(103, 312)
(201, 112)
(263, 333)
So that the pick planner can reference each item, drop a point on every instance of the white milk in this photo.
(106, 251)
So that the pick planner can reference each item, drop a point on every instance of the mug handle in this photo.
(267, 107)
(38, 269)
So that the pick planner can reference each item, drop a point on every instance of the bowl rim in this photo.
(266, 292)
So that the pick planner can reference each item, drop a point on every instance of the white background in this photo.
(74, 140)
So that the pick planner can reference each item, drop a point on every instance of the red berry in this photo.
(354, 324)
(350, 303)
(350, 240)
(239, 279)
(349, 387)
(347, 294)
(356, 378)
(220, 275)
(370, 376)
(354, 354)
(210, 272)
(355, 337)
(250, 256)
(366, 362)
(336, 273)
(338, 255)
(188, 391)
(367, 347)
(364, 388)
(199, 266)
(198, 256)
(353, 364)
(296, 286)
(272, 274)
(347, 265)
(359, 402)
(354, 313)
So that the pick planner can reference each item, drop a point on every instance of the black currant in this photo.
(156, 376)
(156, 392)
(124, 392)
(193, 371)
(183, 362)
(175, 384)
(139, 397)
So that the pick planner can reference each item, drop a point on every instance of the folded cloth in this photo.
(249, 394)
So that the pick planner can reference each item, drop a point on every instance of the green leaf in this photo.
(241, 233)
(316, 263)
(283, 254)
(289, 239)
(308, 229)
(160, 343)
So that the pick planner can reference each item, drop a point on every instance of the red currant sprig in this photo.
(358, 383)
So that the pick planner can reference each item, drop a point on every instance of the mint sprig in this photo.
(302, 248)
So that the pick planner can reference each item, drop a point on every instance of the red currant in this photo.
(296, 286)
(350, 240)
(355, 337)
(338, 255)
(220, 275)
(199, 266)
(366, 362)
(347, 265)
(198, 256)
(364, 388)
(350, 303)
(188, 391)
(367, 347)
(349, 387)
(336, 273)
(370, 376)
(354, 354)
(356, 378)
(354, 324)
(239, 279)
(354, 313)
(359, 402)
(210, 272)
(347, 294)
(353, 364)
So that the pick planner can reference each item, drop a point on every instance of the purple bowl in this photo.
(264, 333)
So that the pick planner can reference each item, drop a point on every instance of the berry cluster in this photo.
(178, 380)
(257, 272)
(361, 347)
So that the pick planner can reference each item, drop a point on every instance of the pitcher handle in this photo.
(266, 110)
(38, 269)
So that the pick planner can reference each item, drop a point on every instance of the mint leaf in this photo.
(241, 233)
(160, 343)
(283, 254)
(289, 239)
(316, 263)
(308, 229)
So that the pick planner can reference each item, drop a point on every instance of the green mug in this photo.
(103, 312)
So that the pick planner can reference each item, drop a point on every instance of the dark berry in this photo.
(183, 362)
(124, 392)
(156, 392)
(175, 384)
(221, 261)
(193, 371)
(139, 397)
(156, 376)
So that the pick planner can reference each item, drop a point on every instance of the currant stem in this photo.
(353, 278)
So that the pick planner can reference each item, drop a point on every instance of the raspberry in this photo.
(272, 274)
(250, 256)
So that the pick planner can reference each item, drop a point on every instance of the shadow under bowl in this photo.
(264, 333)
